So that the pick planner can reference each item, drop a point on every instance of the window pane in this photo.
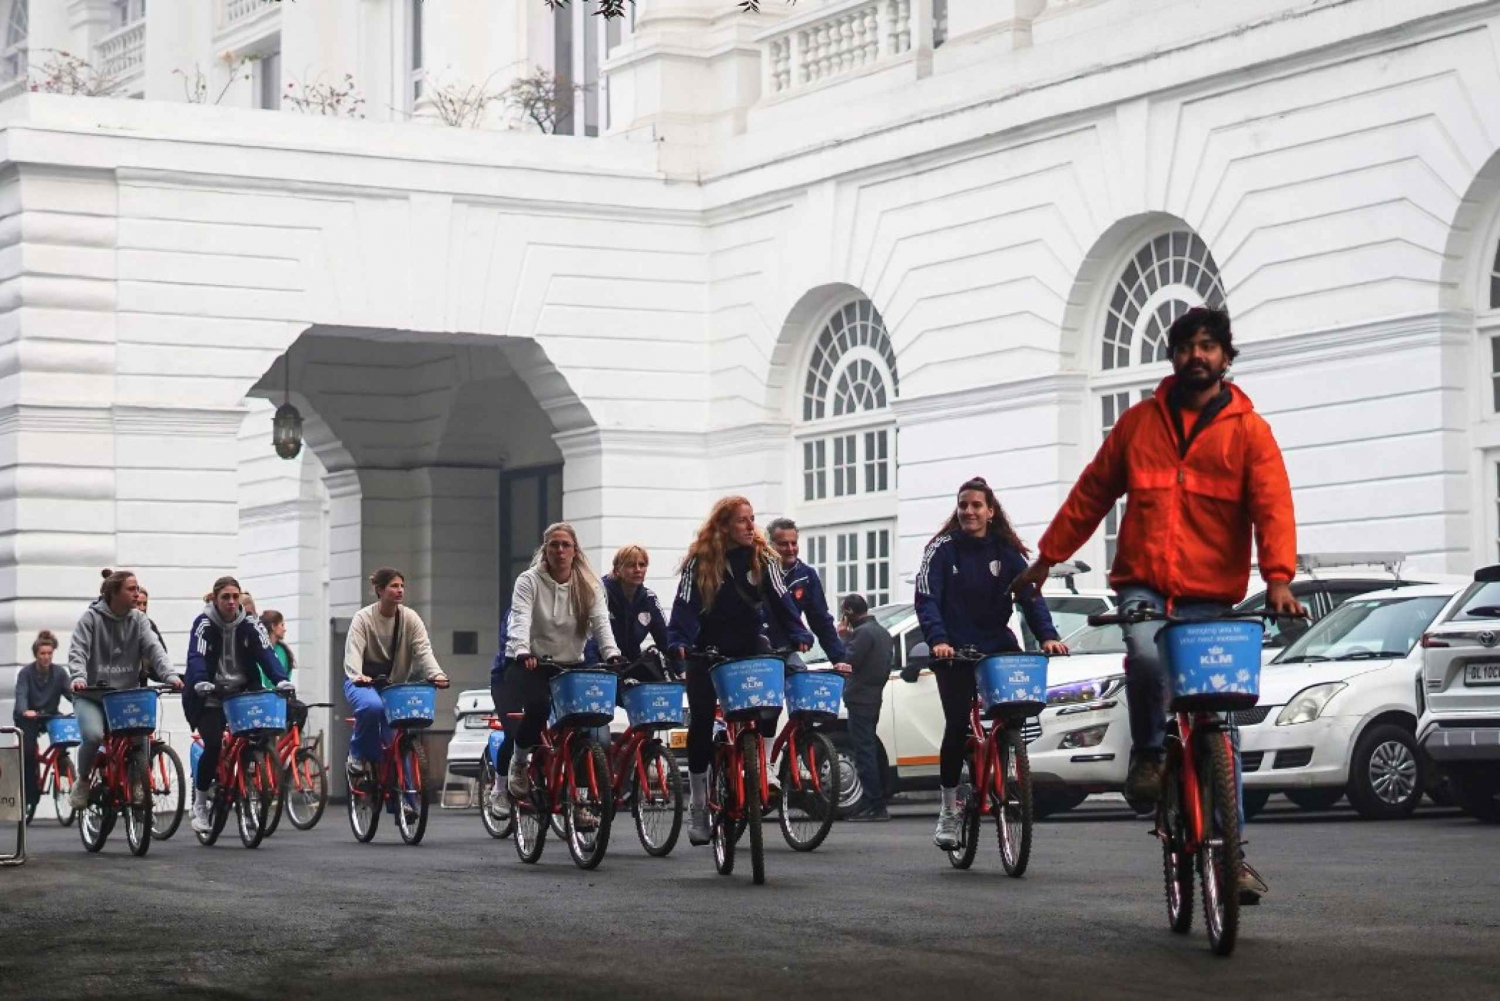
(1495, 370)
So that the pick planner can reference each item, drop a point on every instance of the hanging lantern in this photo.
(286, 427)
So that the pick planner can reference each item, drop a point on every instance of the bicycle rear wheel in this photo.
(253, 807)
(588, 810)
(61, 782)
(723, 803)
(411, 791)
(168, 792)
(968, 827)
(1171, 830)
(138, 813)
(1013, 814)
(365, 797)
(656, 802)
(1218, 855)
(750, 745)
(495, 812)
(304, 789)
(809, 791)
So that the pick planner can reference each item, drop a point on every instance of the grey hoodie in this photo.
(230, 673)
(109, 649)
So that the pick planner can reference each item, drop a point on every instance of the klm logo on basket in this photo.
(661, 702)
(752, 683)
(594, 692)
(1216, 656)
(822, 692)
(1019, 677)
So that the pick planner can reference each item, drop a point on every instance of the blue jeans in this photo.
(1146, 676)
(370, 732)
(865, 744)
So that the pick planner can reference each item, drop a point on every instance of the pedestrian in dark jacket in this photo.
(871, 654)
(963, 599)
(40, 687)
(806, 589)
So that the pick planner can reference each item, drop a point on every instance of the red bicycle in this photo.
(809, 763)
(246, 779)
(396, 779)
(55, 770)
(120, 781)
(643, 770)
(304, 778)
(568, 770)
(168, 790)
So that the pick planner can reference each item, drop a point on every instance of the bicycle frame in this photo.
(735, 766)
(113, 761)
(787, 740)
(1188, 725)
(984, 751)
(625, 752)
(228, 774)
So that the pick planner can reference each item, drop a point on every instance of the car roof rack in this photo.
(1067, 570)
(1311, 563)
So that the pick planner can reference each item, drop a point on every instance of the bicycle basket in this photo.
(411, 706)
(750, 688)
(63, 731)
(584, 698)
(1215, 665)
(1012, 685)
(655, 706)
(130, 713)
(255, 712)
(814, 695)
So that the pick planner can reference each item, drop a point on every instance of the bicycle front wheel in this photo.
(411, 791)
(656, 799)
(1218, 855)
(305, 790)
(97, 819)
(532, 812)
(63, 777)
(168, 792)
(750, 747)
(253, 806)
(589, 809)
(962, 857)
(723, 804)
(365, 796)
(1012, 803)
(809, 791)
(138, 813)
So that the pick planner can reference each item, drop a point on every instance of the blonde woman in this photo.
(558, 604)
(731, 591)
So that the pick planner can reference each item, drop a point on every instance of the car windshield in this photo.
(1096, 639)
(1480, 601)
(1069, 614)
(888, 616)
(1366, 629)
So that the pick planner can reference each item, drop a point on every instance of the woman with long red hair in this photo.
(731, 587)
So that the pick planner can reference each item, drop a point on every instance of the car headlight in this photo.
(1089, 736)
(1308, 704)
(1092, 690)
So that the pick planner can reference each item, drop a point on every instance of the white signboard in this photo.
(10, 780)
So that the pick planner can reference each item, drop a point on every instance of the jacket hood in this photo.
(101, 607)
(212, 611)
(1239, 402)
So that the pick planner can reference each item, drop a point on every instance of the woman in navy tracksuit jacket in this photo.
(963, 599)
(731, 588)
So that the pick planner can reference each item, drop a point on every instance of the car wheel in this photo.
(1478, 792)
(1255, 801)
(1386, 776)
(851, 789)
(1315, 799)
(1049, 800)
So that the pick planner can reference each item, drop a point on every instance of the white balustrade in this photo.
(232, 12)
(839, 38)
(122, 53)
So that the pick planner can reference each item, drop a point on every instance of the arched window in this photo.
(845, 452)
(1167, 275)
(17, 28)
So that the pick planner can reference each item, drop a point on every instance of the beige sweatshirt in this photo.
(542, 622)
(370, 635)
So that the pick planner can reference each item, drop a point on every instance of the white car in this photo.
(1338, 708)
(1459, 691)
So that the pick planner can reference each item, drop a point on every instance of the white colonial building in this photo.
(838, 256)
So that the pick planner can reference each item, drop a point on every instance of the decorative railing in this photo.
(233, 12)
(837, 39)
(122, 53)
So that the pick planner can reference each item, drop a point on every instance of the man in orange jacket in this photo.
(1200, 471)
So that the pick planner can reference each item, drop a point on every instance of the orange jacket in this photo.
(1186, 530)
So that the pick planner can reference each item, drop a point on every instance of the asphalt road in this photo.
(1357, 910)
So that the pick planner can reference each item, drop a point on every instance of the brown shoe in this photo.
(1143, 783)
(1251, 886)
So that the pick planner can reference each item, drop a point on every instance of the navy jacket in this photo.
(963, 595)
(733, 626)
(807, 594)
(631, 621)
(497, 669)
(205, 647)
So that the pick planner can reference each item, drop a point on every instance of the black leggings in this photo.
(527, 692)
(702, 701)
(501, 698)
(211, 732)
(956, 690)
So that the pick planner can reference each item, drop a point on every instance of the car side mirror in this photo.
(917, 658)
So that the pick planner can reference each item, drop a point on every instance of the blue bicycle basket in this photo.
(751, 687)
(584, 698)
(255, 712)
(63, 731)
(655, 706)
(131, 712)
(411, 706)
(1013, 685)
(814, 695)
(1214, 665)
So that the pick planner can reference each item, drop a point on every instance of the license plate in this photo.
(1486, 672)
(678, 740)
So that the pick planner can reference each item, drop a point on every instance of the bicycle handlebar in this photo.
(1133, 616)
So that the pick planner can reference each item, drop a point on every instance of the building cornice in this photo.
(1056, 387)
(1374, 337)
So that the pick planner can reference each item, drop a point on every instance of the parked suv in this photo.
(1459, 687)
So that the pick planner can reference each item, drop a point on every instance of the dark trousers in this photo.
(956, 691)
(31, 773)
(866, 747)
(211, 732)
(502, 706)
(527, 692)
(702, 701)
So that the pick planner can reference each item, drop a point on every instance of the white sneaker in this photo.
(356, 768)
(518, 780)
(946, 836)
(78, 799)
(698, 829)
(202, 822)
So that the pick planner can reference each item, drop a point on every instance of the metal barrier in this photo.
(13, 795)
